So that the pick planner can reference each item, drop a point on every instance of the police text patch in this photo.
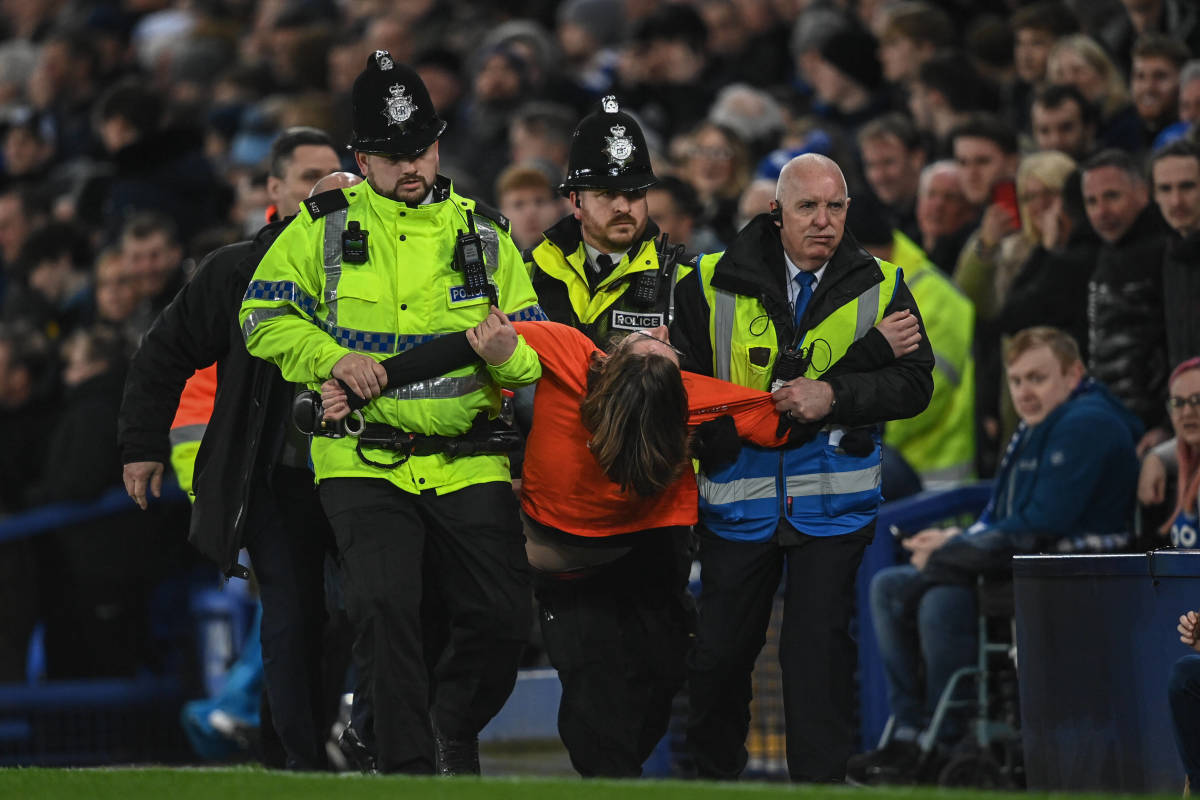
(461, 294)
(633, 321)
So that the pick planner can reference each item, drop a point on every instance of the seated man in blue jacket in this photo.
(1066, 484)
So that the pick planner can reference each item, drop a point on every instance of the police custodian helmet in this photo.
(392, 110)
(608, 151)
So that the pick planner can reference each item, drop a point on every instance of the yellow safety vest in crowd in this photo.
(939, 443)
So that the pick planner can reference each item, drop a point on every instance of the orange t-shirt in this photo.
(196, 402)
(562, 485)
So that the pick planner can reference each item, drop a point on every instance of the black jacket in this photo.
(1127, 348)
(1051, 288)
(200, 327)
(754, 266)
(1181, 297)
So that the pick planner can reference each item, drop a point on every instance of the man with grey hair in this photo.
(751, 113)
(945, 217)
(783, 310)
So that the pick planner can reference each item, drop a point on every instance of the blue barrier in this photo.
(60, 515)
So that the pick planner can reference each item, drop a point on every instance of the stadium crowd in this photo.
(1037, 163)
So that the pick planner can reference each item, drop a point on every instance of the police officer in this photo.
(789, 298)
(598, 269)
(361, 274)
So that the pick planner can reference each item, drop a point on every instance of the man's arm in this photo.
(519, 303)
(899, 389)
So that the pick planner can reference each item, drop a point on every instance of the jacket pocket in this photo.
(850, 484)
(360, 286)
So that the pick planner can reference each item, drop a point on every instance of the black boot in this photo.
(457, 756)
(356, 752)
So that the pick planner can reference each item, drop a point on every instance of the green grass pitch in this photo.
(248, 782)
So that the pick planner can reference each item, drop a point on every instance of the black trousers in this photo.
(618, 637)
(452, 663)
(288, 539)
(739, 581)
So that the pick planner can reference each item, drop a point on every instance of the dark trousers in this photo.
(618, 638)
(1183, 691)
(287, 541)
(453, 663)
(739, 581)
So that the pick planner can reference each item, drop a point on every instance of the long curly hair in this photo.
(636, 410)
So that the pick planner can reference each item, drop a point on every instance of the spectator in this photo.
(28, 407)
(1189, 92)
(911, 34)
(154, 255)
(663, 72)
(529, 201)
(1154, 83)
(1177, 460)
(986, 152)
(116, 293)
(1036, 27)
(1126, 335)
(155, 168)
(756, 199)
(1177, 18)
(540, 133)
(748, 43)
(753, 114)
(1079, 61)
(1064, 120)
(893, 158)
(716, 164)
(675, 208)
(1066, 484)
(1175, 178)
(56, 295)
(946, 91)
(944, 216)
(1051, 287)
(28, 149)
(589, 32)
(1182, 691)
(846, 78)
(20, 212)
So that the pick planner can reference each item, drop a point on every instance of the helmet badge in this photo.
(399, 106)
(383, 60)
(619, 147)
(609, 104)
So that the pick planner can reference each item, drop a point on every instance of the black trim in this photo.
(326, 203)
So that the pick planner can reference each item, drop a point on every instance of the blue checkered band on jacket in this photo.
(282, 290)
(529, 314)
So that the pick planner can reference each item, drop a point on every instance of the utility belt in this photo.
(484, 435)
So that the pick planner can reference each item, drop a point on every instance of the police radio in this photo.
(647, 285)
(468, 259)
(792, 363)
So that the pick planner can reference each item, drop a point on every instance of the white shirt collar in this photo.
(593, 253)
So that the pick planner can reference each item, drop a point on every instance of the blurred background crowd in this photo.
(136, 136)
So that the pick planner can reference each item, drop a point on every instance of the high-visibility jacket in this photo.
(558, 269)
(191, 420)
(939, 443)
(818, 487)
(307, 307)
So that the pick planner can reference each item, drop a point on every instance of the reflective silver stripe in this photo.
(334, 223)
(187, 433)
(915, 279)
(719, 494)
(439, 388)
(947, 476)
(944, 364)
(868, 307)
(859, 480)
(260, 314)
(723, 331)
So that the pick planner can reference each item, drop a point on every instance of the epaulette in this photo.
(484, 210)
(326, 203)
